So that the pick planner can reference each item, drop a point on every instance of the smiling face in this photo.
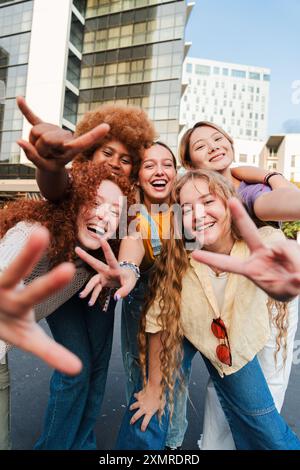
(100, 221)
(204, 216)
(116, 156)
(210, 149)
(157, 175)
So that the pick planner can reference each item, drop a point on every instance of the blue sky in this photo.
(254, 32)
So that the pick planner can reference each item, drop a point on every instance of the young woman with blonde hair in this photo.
(225, 316)
(268, 197)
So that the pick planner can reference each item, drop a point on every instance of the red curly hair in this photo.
(128, 124)
(61, 219)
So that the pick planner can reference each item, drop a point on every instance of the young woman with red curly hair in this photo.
(89, 213)
(111, 136)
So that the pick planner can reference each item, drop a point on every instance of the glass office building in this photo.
(15, 30)
(67, 57)
(133, 52)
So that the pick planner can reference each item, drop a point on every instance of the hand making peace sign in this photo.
(274, 269)
(17, 321)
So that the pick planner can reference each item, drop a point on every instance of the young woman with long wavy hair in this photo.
(224, 316)
(89, 213)
(268, 197)
(113, 137)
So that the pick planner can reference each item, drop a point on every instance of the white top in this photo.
(10, 246)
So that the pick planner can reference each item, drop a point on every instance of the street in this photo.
(30, 383)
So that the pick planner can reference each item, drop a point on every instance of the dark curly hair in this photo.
(128, 124)
(61, 219)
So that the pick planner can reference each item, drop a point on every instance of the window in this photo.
(202, 69)
(238, 73)
(254, 76)
(267, 77)
(243, 158)
(216, 70)
(225, 72)
(189, 67)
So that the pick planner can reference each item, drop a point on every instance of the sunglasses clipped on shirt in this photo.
(223, 349)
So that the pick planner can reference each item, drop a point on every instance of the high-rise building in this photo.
(69, 56)
(232, 95)
(132, 54)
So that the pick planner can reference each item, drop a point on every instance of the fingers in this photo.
(26, 260)
(109, 255)
(93, 282)
(224, 263)
(126, 288)
(55, 355)
(145, 422)
(27, 112)
(44, 286)
(245, 225)
(137, 416)
(88, 140)
(32, 154)
(95, 295)
(93, 262)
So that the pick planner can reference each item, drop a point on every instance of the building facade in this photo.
(132, 54)
(232, 95)
(67, 57)
(282, 153)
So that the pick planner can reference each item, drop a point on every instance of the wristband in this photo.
(132, 266)
(269, 175)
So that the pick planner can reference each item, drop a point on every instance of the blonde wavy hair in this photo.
(166, 287)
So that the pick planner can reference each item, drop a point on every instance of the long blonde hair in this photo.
(166, 287)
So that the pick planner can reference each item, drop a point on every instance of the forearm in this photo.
(282, 204)
(53, 185)
(256, 175)
(132, 249)
(154, 363)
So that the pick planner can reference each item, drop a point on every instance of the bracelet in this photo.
(269, 175)
(132, 266)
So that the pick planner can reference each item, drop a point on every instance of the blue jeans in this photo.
(131, 311)
(247, 403)
(74, 403)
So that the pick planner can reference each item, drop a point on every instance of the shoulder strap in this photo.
(155, 238)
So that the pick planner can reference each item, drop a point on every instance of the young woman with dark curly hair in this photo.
(89, 213)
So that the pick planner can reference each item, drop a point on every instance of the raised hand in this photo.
(109, 275)
(274, 269)
(17, 321)
(50, 148)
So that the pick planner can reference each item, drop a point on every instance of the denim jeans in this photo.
(131, 310)
(5, 439)
(74, 403)
(247, 403)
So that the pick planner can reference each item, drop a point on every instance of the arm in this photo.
(254, 175)
(150, 400)
(281, 204)
(275, 269)
(132, 249)
(17, 322)
(50, 148)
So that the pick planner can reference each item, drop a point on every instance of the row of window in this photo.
(14, 50)
(113, 38)
(9, 149)
(106, 7)
(200, 69)
(145, 51)
(16, 18)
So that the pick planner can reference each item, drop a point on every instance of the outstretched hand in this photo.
(109, 275)
(274, 269)
(50, 148)
(17, 320)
